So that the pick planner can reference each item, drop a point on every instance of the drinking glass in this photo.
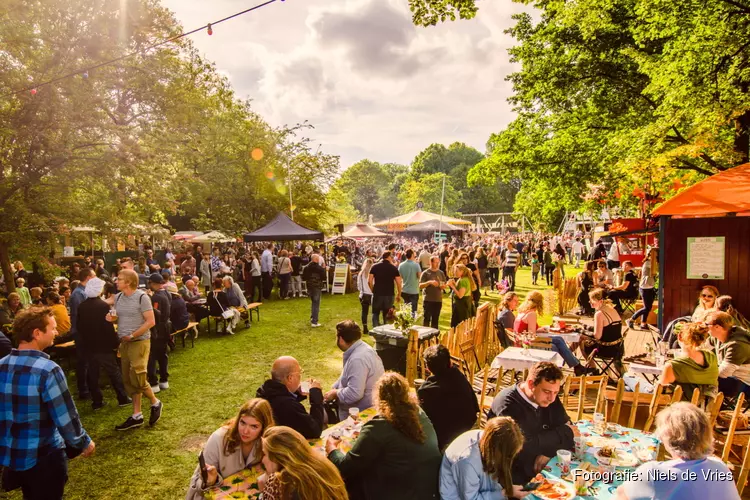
(564, 458)
(354, 414)
(599, 423)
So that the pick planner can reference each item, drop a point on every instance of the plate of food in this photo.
(553, 490)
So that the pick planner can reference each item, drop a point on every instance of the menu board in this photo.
(705, 258)
(340, 275)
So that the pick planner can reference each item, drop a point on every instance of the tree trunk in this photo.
(742, 136)
(10, 282)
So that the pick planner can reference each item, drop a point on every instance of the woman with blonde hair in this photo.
(396, 455)
(478, 463)
(451, 262)
(463, 303)
(697, 368)
(295, 470)
(527, 322)
(365, 294)
(234, 446)
(706, 302)
(607, 336)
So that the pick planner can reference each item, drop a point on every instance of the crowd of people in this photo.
(422, 445)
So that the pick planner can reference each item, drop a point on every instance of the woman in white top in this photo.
(693, 474)
(603, 277)
(365, 294)
(285, 274)
(236, 445)
(646, 289)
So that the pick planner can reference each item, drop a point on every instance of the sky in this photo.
(371, 83)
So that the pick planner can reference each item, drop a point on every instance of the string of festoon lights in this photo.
(84, 72)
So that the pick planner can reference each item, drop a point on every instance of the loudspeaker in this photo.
(340, 228)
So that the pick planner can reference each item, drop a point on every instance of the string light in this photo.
(84, 71)
(257, 154)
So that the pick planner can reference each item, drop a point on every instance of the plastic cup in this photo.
(580, 447)
(562, 324)
(599, 423)
(661, 359)
(564, 458)
(354, 413)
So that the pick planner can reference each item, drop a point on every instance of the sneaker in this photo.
(247, 324)
(125, 402)
(163, 385)
(315, 325)
(156, 389)
(155, 413)
(97, 406)
(630, 324)
(129, 424)
(229, 331)
(286, 298)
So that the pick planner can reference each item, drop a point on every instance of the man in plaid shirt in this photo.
(39, 419)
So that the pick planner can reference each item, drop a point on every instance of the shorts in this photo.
(134, 363)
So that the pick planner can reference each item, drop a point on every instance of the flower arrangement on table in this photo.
(404, 319)
(526, 341)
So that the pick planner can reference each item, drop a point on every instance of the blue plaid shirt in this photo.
(37, 413)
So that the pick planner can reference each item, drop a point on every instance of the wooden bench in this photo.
(191, 329)
(255, 306)
(65, 350)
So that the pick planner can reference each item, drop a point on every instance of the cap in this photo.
(172, 288)
(156, 278)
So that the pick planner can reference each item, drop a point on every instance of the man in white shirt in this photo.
(266, 268)
(424, 258)
(577, 248)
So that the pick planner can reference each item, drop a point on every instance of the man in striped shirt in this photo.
(510, 264)
(39, 419)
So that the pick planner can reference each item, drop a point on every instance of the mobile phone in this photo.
(204, 470)
(531, 486)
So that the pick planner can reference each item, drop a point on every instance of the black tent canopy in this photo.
(282, 228)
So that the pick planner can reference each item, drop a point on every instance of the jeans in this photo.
(159, 355)
(267, 284)
(46, 480)
(108, 362)
(432, 313)
(577, 258)
(561, 348)
(296, 285)
(366, 301)
(82, 366)
(494, 275)
(284, 285)
(315, 295)
(413, 299)
(648, 295)
(509, 272)
(549, 273)
(380, 303)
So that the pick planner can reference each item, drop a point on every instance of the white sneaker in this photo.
(230, 331)
(163, 385)
(315, 325)
(156, 389)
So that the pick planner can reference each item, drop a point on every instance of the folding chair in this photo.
(610, 366)
(628, 305)
(575, 398)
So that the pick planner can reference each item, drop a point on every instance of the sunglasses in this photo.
(709, 324)
(707, 296)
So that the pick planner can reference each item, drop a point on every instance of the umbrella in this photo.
(212, 237)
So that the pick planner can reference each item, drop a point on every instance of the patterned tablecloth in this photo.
(632, 448)
(517, 358)
(244, 484)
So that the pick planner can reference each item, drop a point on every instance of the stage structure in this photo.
(500, 222)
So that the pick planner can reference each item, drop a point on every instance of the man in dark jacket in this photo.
(178, 312)
(160, 334)
(315, 277)
(101, 342)
(447, 397)
(282, 391)
(546, 426)
(5, 345)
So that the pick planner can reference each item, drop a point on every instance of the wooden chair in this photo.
(576, 404)
(653, 408)
(728, 435)
(714, 408)
(614, 415)
(542, 343)
(742, 476)
(469, 356)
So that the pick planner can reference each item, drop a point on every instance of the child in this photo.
(535, 268)
(23, 292)
(36, 296)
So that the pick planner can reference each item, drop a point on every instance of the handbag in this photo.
(225, 313)
(332, 411)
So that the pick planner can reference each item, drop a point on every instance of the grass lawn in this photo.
(208, 383)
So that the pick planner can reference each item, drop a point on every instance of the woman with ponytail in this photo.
(396, 455)
(295, 470)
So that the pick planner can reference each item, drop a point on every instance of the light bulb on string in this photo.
(209, 29)
(257, 154)
(33, 91)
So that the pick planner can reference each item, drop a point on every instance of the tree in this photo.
(430, 12)
(429, 189)
(372, 188)
(623, 94)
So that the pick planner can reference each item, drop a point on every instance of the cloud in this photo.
(373, 84)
